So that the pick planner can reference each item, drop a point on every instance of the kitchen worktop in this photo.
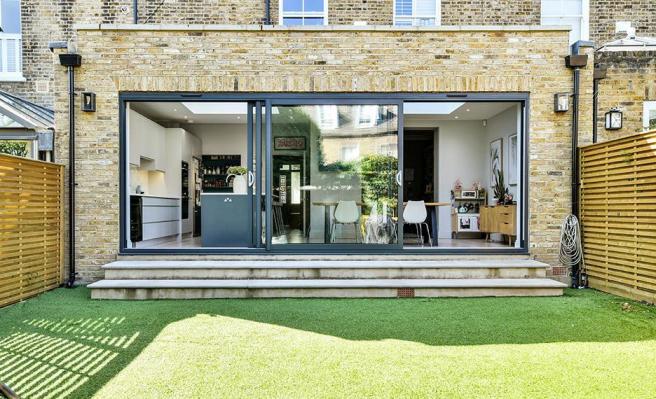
(153, 196)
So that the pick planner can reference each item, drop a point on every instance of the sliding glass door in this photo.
(334, 174)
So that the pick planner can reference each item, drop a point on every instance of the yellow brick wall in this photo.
(630, 81)
(283, 60)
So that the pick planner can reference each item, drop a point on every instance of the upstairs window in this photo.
(574, 13)
(649, 115)
(417, 12)
(10, 41)
(303, 12)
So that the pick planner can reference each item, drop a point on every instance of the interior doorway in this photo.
(288, 201)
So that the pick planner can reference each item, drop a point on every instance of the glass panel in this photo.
(188, 185)
(292, 5)
(292, 21)
(649, 115)
(11, 16)
(572, 7)
(425, 8)
(551, 8)
(403, 8)
(313, 21)
(313, 5)
(345, 174)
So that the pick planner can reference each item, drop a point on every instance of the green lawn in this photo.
(584, 344)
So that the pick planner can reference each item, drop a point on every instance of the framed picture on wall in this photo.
(512, 160)
(496, 160)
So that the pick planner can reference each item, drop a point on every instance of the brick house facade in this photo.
(46, 21)
(518, 56)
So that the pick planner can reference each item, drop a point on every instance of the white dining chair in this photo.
(415, 212)
(346, 212)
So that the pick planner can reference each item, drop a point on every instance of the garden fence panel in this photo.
(31, 227)
(618, 215)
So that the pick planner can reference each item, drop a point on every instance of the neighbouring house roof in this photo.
(630, 43)
(19, 114)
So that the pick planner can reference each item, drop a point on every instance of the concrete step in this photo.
(326, 288)
(325, 269)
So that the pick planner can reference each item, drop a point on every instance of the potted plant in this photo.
(239, 185)
(501, 192)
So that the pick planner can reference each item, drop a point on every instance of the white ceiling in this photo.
(425, 114)
(177, 112)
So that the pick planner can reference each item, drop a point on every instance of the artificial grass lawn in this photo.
(584, 344)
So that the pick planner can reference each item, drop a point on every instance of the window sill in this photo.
(12, 78)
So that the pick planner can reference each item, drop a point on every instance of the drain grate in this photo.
(405, 292)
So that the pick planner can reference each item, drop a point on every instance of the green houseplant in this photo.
(239, 183)
(501, 192)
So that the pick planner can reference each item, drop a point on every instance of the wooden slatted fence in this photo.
(618, 215)
(31, 227)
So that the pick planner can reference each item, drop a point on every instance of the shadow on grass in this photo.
(62, 344)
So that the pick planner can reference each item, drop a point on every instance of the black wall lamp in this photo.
(561, 102)
(88, 101)
(613, 119)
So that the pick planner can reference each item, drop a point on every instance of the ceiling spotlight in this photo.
(175, 110)
(456, 117)
(467, 110)
(186, 117)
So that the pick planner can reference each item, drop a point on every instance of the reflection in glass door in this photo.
(334, 174)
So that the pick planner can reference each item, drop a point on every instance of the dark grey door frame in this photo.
(265, 100)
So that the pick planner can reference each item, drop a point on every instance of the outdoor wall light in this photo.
(561, 102)
(88, 101)
(614, 119)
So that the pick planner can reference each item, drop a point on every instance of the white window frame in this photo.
(328, 117)
(4, 38)
(415, 16)
(352, 149)
(646, 107)
(370, 115)
(585, 18)
(302, 14)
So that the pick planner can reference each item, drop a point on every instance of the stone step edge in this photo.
(356, 264)
(318, 283)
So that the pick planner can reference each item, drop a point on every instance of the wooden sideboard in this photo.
(499, 219)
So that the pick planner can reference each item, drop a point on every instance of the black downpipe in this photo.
(71, 176)
(135, 11)
(267, 12)
(575, 162)
(71, 61)
(595, 102)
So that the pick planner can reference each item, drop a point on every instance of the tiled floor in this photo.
(295, 237)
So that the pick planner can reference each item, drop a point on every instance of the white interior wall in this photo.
(222, 139)
(502, 126)
(462, 154)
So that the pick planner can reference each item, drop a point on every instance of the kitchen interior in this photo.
(187, 181)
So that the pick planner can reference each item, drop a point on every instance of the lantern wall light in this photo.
(561, 102)
(613, 119)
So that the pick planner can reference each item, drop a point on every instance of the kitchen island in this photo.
(226, 220)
